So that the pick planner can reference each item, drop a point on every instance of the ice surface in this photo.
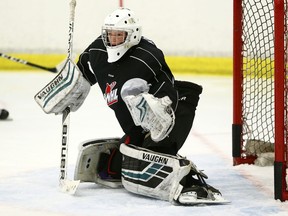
(30, 157)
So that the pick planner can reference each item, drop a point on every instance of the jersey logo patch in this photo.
(110, 94)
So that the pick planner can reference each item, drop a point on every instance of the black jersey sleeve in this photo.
(155, 71)
(84, 66)
(91, 56)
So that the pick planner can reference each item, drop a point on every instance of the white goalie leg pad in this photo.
(152, 174)
(152, 114)
(68, 89)
(88, 160)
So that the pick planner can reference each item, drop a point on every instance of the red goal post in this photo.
(260, 86)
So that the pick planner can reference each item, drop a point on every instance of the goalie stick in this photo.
(22, 61)
(66, 185)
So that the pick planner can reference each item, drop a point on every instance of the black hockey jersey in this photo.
(143, 61)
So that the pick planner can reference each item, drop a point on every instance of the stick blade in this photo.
(69, 186)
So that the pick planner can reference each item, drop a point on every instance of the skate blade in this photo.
(191, 199)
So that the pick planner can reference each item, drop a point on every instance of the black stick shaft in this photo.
(21, 61)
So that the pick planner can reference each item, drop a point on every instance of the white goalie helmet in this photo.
(121, 20)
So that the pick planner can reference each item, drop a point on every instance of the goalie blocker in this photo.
(68, 89)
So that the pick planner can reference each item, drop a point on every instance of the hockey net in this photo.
(260, 87)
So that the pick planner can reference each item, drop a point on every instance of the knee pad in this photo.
(153, 174)
(90, 158)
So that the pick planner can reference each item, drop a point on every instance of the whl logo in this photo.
(110, 94)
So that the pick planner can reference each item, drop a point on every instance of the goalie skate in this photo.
(198, 192)
(194, 196)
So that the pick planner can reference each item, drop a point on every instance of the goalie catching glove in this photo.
(68, 89)
(151, 113)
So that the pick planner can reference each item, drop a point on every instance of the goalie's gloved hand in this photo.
(152, 114)
(68, 89)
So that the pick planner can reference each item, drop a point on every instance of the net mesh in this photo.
(258, 75)
(257, 116)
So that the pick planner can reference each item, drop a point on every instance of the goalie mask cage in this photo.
(260, 85)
